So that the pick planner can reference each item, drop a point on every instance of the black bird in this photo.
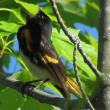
(40, 56)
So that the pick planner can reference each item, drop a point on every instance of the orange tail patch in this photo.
(74, 88)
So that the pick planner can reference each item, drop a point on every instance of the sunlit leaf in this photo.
(31, 8)
(65, 48)
(9, 27)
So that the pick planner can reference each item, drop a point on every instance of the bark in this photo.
(102, 101)
(104, 39)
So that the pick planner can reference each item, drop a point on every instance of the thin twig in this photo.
(37, 94)
(73, 39)
(78, 78)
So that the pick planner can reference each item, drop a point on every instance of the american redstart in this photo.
(40, 55)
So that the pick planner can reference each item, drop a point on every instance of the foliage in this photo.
(13, 14)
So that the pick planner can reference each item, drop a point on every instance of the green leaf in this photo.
(6, 60)
(31, 8)
(49, 85)
(26, 70)
(65, 48)
(4, 33)
(87, 14)
(32, 104)
(21, 75)
(70, 5)
(9, 27)
(56, 108)
(15, 101)
(2, 87)
(15, 12)
(91, 51)
(90, 40)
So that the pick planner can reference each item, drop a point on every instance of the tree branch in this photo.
(78, 78)
(104, 39)
(73, 39)
(102, 98)
(43, 97)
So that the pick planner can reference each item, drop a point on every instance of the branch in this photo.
(73, 39)
(37, 94)
(78, 78)
(102, 98)
(104, 39)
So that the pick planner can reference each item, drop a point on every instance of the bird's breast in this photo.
(36, 70)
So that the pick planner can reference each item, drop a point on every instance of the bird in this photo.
(40, 56)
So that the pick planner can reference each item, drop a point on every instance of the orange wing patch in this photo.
(47, 59)
(28, 38)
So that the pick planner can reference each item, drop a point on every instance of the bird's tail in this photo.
(73, 87)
